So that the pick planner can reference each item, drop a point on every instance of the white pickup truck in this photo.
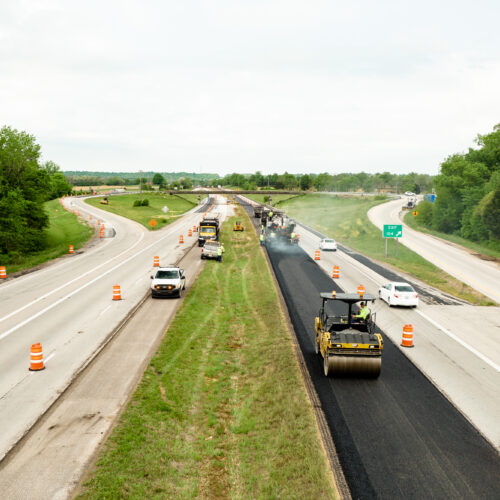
(168, 281)
(210, 250)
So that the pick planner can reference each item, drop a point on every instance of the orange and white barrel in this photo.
(407, 340)
(336, 272)
(36, 357)
(156, 261)
(181, 239)
(317, 255)
(3, 272)
(71, 249)
(190, 233)
(116, 292)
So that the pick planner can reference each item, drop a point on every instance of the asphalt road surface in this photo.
(397, 436)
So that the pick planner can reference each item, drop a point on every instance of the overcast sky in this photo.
(239, 86)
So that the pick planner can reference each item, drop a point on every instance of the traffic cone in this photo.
(361, 291)
(336, 272)
(407, 340)
(316, 255)
(71, 249)
(36, 358)
(190, 233)
(98, 222)
(3, 272)
(181, 239)
(116, 292)
(156, 261)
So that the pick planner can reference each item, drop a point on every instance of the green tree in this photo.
(158, 180)
(305, 182)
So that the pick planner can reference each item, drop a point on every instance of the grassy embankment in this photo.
(63, 230)
(124, 205)
(221, 411)
(345, 220)
(277, 198)
(471, 245)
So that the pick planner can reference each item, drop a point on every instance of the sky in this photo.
(226, 86)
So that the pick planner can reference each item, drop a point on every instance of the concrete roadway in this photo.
(461, 263)
(69, 434)
(68, 307)
(398, 436)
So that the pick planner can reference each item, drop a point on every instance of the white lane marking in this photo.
(460, 341)
(74, 292)
(104, 310)
(42, 297)
(50, 356)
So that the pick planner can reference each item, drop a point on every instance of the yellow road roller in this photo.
(347, 341)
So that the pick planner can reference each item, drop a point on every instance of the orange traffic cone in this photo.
(407, 340)
(116, 292)
(98, 222)
(336, 272)
(71, 249)
(316, 255)
(181, 239)
(190, 233)
(156, 261)
(36, 358)
(3, 272)
(361, 291)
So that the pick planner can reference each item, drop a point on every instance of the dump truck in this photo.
(208, 230)
(411, 203)
(348, 345)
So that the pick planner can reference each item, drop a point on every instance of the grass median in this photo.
(345, 219)
(221, 411)
(124, 205)
(63, 230)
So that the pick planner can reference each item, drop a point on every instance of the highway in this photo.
(465, 265)
(67, 307)
(399, 436)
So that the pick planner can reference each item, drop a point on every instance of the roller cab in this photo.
(348, 345)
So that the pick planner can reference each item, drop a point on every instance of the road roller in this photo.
(348, 345)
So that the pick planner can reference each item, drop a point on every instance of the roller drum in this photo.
(354, 365)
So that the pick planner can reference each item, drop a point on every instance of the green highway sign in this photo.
(393, 230)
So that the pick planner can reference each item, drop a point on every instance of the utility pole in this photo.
(140, 184)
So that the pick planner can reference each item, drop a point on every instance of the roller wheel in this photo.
(326, 365)
(316, 344)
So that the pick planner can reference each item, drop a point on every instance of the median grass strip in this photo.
(221, 411)
(63, 230)
(345, 220)
(124, 205)
(276, 198)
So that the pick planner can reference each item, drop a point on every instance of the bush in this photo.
(145, 202)
(137, 203)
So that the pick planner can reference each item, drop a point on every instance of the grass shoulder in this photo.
(277, 198)
(221, 411)
(345, 219)
(124, 205)
(64, 229)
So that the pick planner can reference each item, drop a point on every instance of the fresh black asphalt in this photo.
(397, 436)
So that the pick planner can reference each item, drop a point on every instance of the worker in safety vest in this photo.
(219, 254)
(363, 313)
(261, 239)
(271, 215)
(292, 237)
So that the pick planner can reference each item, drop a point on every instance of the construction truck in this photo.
(208, 230)
(348, 344)
(411, 203)
(257, 211)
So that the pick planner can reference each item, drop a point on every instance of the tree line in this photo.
(468, 193)
(25, 184)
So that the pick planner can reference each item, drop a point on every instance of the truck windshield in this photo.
(167, 275)
(207, 229)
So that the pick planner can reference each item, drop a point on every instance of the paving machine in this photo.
(348, 345)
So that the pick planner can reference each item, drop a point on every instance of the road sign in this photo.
(393, 230)
(152, 223)
(415, 212)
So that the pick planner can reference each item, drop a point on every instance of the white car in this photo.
(168, 281)
(409, 193)
(399, 294)
(328, 244)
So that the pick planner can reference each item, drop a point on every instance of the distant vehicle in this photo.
(409, 193)
(328, 244)
(399, 294)
(168, 281)
(104, 201)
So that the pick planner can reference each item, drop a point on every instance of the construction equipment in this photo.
(348, 345)
(411, 203)
(209, 230)
(257, 211)
(238, 226)
(104, 201)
